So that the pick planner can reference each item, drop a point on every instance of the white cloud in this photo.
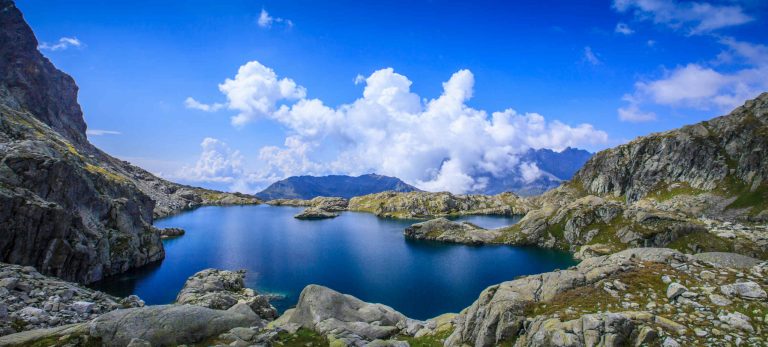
(256, 90)
(699, 86)
(191, 103)
(266, 21)
(632, 112)
(62, 44)
(590, 56)
(437, 144)
(694, 17)
(623, 28)
(217, 163)
(530, 172)
(100, 132)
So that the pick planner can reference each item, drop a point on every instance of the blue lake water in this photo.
(355, 253)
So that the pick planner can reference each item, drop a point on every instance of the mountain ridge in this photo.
(307, 187)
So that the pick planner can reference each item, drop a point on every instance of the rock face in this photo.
(308, 187)
(634, 297)
(444, 230)
(29, 300)
(221, 290)
(425, 204)
(345, 317)
(67, 208)
(728, 152)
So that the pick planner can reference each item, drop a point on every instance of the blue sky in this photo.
(584, 74)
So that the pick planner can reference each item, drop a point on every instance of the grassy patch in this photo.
(756, 200)
(703, 241)
(664, 191)
(435, 340)
(105, 173)
(302, 338)
(573, 303)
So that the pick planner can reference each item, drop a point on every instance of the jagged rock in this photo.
(316, 213)
(606, 329)
(331, 313)
(674, 290)
(497, 315)
(737, 320)
(164, 325)
(171, 232)
(33, 301)
(746, 290)
(444, 230)
(221, 290)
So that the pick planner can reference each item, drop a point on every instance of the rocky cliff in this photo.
(66, 207)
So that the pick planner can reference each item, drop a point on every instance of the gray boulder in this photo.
(165, 325)
(221, 290)
(331, 313)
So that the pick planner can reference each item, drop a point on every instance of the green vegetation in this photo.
(435, 340)
(665, 191)
(105, 173)
(302, 338)
(702, 242)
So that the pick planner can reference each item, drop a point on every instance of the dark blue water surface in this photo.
(355, 253)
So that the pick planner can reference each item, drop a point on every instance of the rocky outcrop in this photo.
(333, 204)
(168, 233)
(165, 325)
(221, 290)
(633, 297)
(426, 204)
(346, 318)
(316, 213)
(29, 300)
(444, 230)
(67, 208)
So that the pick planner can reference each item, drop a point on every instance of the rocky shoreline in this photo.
(644, 296)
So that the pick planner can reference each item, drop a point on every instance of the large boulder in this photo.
(345, 317)
(165, 325)
(221, 290)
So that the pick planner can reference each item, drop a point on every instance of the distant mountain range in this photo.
(553, 168)
(308, 187)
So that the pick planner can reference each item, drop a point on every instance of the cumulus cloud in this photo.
(191, 103)
(699, 86)
(256, 90)
(590, 56)
(623, 28)
(62, 44)
(694, 17)
(436, 144)
(217, 163)
(266, 21)
(100, 132)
